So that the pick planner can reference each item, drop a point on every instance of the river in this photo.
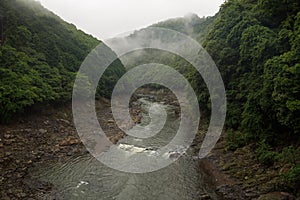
(85, 177)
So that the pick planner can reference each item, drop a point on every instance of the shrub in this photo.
(235, 139)
(265, 155)
(293, 176)
(289, 155)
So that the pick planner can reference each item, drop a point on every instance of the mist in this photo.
(108, 18)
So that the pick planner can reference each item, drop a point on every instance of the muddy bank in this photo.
(44, 136)
(47, 135)
(238, 175)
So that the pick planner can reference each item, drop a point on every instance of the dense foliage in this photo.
(256, 47)
(190, 24)
(255, 44)
(39, 57)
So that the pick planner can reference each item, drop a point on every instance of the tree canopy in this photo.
(255, 44)
(39, 57)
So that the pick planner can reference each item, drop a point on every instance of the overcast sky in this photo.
(108, 18)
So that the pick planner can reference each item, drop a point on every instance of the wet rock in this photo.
(65, 121)
(7, 142)
(251, 193)
(19, 175)
(7, 154)
(115, 138)
(41, 185)
(6, 197)
(7, 136)
(230, 192)
(205, 197)
(276, 196)
(27, 130)
(174, 155)
(136, 119)
(43, 131)
(21, 195)
(69, 141)
(55, 148)
(111, 121)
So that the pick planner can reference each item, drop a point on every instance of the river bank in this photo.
(234, 175)
(49, 137)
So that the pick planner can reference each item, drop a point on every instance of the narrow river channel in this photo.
(86, 178)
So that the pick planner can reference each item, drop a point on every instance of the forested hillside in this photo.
(256, 46)
(191, 25)
(39, 57)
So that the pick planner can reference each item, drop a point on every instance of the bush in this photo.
(265, 155)
(289, 155)
(293, 176)
(235, 139)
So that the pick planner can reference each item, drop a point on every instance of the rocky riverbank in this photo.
(48, 136)
(235, 175)
(39, 137)
(44, 136)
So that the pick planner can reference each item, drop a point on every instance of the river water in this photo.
(85, 177)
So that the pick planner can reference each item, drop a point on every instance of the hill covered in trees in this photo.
(39, 57)
(256, 46)
(191, 24)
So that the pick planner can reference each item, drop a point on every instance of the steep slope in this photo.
(256, 47)
(255, 44)
(39, 57)
(191, 25)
